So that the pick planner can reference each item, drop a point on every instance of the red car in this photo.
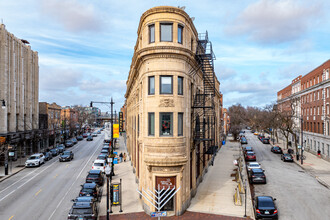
(250, 156)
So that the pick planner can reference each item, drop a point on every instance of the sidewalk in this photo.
(214, 198)
(317, 167)
(130, 197)
(13, 168)
(215, 194)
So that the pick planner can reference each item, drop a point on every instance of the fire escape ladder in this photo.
(203, 106)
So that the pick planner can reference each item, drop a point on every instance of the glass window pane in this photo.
(166, 32)
(180, 30)
(151, 124)
(166, 85)
(180, 124)
(151, 33)
(166, 126)
(180, 85)
(151, 85)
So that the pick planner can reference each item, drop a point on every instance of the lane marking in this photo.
(11, 217)
(66, 166)
(38, 192)
(58, 205)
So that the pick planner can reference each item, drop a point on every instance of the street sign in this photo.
(158, 214)
(115, 188)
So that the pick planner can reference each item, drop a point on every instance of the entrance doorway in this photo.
(166, 183)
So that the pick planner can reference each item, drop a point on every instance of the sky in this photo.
(85, 47)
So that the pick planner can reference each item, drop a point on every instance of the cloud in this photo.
(54, 79)
(225, 73)
(275, 21)
(103, 87)
(72, 14)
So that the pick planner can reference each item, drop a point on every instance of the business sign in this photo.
(120, 121)
(2, 140)
(115, 130)
(115, 191)
(158, 214)
(165, 182)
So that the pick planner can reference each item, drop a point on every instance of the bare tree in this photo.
(237, 115)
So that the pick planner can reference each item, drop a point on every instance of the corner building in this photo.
(173, 106)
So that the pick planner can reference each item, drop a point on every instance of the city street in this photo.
(298, 194)
(46, 192)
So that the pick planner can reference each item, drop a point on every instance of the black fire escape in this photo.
(203, 108)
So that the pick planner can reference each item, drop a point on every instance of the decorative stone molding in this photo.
(166, 103)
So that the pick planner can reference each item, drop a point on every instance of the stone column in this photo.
(3, 78)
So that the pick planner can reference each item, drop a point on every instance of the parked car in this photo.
(265, 207)
(98, 132)
(60, 148)
(68, 143)
(66, 156)
(84, 199)
(105, 151)
(102, 157)
(94, 134)
(54, 152)
(83, 210)
(253, 165)
(80, 138)
(276, 149)
(85, 135)
(35, 160)
(243, 140)
(74, 140)
(260, 137)
(48, 156)
(265, 141)
(95, 176)
(90, 189)
(89, 138)
(99, 165)
(287, 157)
(250, 156)
(257, 175)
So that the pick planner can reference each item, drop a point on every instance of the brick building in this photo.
(309, 94)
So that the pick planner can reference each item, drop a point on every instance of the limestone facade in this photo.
(161, 85)
(19, 87)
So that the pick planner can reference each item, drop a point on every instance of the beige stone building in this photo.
(173, 106)
(19, 88)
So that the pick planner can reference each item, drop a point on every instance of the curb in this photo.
(8, 176)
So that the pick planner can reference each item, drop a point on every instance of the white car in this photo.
(253, 165)
(99, 165)
(35, 160)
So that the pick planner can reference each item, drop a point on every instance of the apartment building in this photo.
(19, 94)
(309, 95)
(173, 117)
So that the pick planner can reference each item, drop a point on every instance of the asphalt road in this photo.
(45, 193)
(298, 195)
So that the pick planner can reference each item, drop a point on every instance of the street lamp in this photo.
(108, 174)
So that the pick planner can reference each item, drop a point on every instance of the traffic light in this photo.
(91, 105)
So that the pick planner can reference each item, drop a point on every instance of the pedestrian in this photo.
(121, 157)
(124, 157)
(319, 153)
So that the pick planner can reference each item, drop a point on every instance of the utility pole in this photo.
(112, 142)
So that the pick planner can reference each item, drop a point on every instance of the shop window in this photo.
(166, 124)
(151, 87)
(166, 85)
(151, 33)
(166, 31)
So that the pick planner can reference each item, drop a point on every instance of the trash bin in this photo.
(223, 142)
